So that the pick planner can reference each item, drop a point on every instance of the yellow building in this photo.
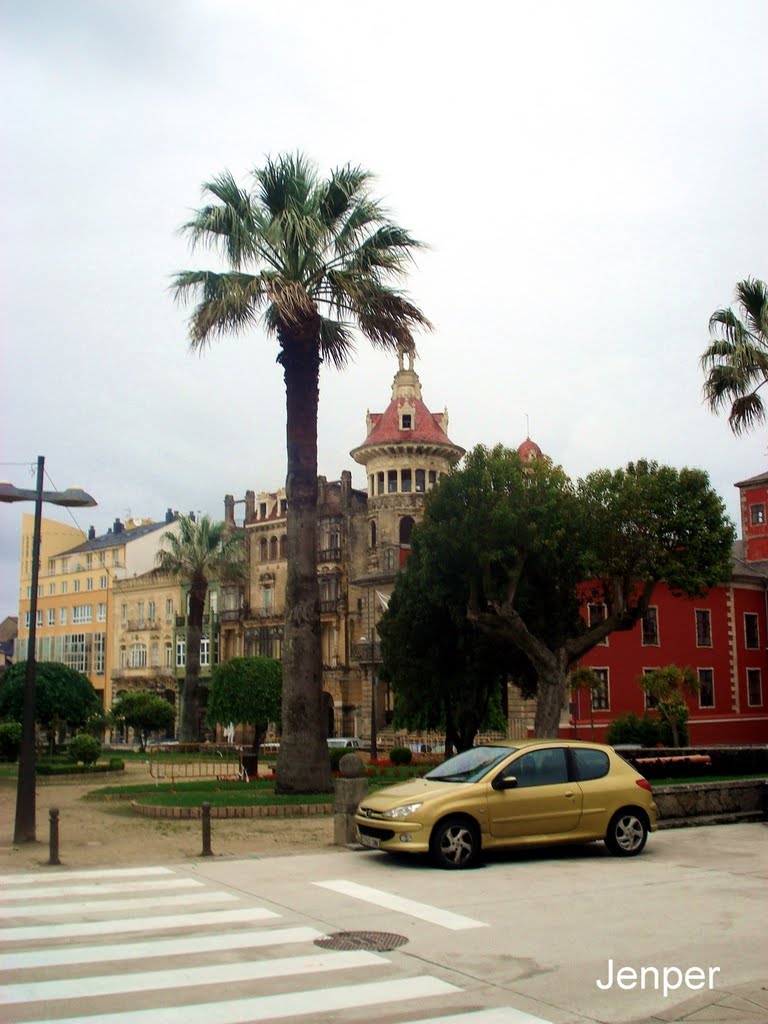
(80, 576)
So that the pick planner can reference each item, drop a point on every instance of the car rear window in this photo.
(590, 764)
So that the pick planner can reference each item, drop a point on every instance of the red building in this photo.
(723, 637)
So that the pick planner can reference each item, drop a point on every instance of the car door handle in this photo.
(570, 793)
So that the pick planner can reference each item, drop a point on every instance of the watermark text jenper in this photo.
(661, 979)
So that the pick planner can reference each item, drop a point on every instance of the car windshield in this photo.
(469, 765)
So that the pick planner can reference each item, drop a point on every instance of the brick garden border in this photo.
(257, 811)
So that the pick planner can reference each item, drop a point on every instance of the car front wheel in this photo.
(627, 833)
(455, 844)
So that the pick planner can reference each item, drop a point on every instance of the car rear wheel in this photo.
(455, 844)
(627, 833)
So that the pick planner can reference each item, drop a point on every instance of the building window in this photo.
(284, 546)
(169, 609)
(76, 586)
(373, 533)
(432, 478)
(77, 651)
(263, 510)
(89, 583)
(51, 616)
(283, 506)
(123, 656)
(39, 618)
(597, 613)
(703, 627)
(101, 612)
(757, 514)
(601, 696)
(51, 566)
(205, 650)
(650, 701)
(168, 655)
(650, 627)
(123, 614)
(64, 587)
(102, 582)
(273, 549)
(392, 481)
(379, 483)
(751, 631)
(263, 549)
(406, 423)
(181, 651)
(707, 691)
(420, 481)
(115, 557)
(62, 616)
(101, 558)
(140, 612)
(151, 611)
(406, 529)
(405, 478)
(267, 594)
(27, 618)
(51, 589)
(754, 687)
(89, 561)
(82, 613)
(65, 565)
(99, 649)
(390, 560)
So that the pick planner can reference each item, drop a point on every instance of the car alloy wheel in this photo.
(627, 834)
(455, 844)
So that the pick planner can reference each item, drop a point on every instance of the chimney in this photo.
(117, 526)
(91, 533)
(169, 517)
(322, 483)
(346, 488)
(229, 510)
(250, 506)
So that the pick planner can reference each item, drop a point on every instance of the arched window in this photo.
(272, 548)
(420, 480)
(406, 528)
(373, 533)
(284, 545)
(263, 549)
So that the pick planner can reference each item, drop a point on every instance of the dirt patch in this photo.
(109, 834)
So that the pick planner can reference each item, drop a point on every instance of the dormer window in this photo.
(406, 421)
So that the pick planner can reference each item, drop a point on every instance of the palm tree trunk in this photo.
(190, 700)
(303, 764)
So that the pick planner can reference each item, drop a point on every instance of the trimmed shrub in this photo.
(335, 754)
(84, 749)
(401, 755)
(10, 740)
(630, 728)
(117, 764)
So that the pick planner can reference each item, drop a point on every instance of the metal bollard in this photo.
(53, 844)
(206, 818)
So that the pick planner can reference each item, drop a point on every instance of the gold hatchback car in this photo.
(522, 793)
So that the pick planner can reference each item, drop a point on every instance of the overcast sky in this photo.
(590, 178)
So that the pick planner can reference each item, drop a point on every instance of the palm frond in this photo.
(346, 187)
(747, 412)
(337, 343)
(753, 297)
(228, 302)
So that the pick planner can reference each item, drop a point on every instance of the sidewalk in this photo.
(743, 1004)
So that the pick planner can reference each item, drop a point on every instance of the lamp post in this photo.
(372, 641)
(73, 497)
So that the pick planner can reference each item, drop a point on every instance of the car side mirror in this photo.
(509, 783)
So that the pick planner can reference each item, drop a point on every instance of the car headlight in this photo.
(401, 812)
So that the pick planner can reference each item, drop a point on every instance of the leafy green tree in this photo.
(84, 749)
(316, 261)
(203, 550)
(62, 696)
(247, 691)
(538, 548)
(144, 712)
(445, 673)
(668, 686)
(736, 361)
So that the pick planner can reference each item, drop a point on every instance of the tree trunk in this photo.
(190, 697)
(303, 765)
(552, 686)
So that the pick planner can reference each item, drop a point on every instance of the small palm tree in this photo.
(202, 550)
(315, 260)
(737, 358)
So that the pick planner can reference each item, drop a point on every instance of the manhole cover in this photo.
(378, 942)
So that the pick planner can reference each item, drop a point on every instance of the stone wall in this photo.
(706, 803)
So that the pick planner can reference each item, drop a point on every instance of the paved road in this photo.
(522, 940)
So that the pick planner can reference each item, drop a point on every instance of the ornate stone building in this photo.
(363, 540)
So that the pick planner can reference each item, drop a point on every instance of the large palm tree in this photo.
(315, 260)
(736, 360)
(201, 551)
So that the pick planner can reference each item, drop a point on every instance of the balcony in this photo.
(330, 607)
(329, 555)
(362, 653)
(147, 670)
(136, 625)
(234, 614)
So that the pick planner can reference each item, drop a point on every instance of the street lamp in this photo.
(73, 497)
(372, 641)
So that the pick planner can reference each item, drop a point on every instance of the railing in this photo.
(329, 555)
(171, 761)
(234, 614)
(136, 625)
(327, 607)
(130, 672)
(362, 653)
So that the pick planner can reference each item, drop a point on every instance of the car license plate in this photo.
(371, 841)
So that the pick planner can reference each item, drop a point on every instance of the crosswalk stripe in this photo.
(186, 977)
(425, 912)
(97, 890)
(25, 877)
(497, 1015)
(83, 929)
(258, 1008)
(115, 906)
(64, 955)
